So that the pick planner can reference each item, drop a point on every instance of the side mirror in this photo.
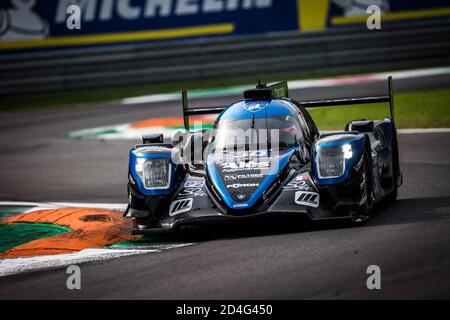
(153, 138)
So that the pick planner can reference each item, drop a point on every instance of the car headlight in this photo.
(155, 173)
(330, 161)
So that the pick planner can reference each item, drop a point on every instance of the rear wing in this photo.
(199, 111)
(280, 90)
(352, 101)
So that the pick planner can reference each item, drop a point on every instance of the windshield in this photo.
(256, 133)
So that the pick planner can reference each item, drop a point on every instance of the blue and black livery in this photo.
(213, 176)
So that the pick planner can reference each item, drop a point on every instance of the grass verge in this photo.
(427, 109)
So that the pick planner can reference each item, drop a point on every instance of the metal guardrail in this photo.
(222, 58)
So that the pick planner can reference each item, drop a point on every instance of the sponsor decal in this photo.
(301, 177)
(192, 192)
(130, 11)
(306, 198)
(244, 166)
(241, 196)
(180, 206)
(43, 23)
(194, 184)
(242, 185)
(255, 106)
(300, 183)
(246, 154)
(51, 21)
(232, 177)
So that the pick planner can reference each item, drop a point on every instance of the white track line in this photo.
(107, 206)
(27, 264)
(356, 79)
(56, 205)
(296, 84)
(423, 130)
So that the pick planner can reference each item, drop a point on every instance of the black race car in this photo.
(264, 155)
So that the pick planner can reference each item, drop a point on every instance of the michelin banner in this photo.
(52, 24)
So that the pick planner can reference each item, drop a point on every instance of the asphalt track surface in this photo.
(409, 240)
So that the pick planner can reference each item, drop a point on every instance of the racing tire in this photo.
(363, 212)
(392, 196)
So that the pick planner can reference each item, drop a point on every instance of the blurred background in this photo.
(127, 48)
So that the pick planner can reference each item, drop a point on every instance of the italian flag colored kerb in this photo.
(167, 126)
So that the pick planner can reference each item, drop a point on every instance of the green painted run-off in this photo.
(16, 234)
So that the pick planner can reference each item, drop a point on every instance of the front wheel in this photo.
(364, 210)
(392, 197)
(396, 174)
